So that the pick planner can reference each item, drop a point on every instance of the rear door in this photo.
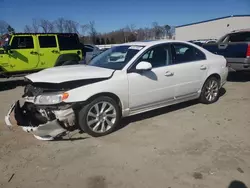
(48, 50)
(24, 53)
(190, 69)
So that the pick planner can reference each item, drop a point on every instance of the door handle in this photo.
(203, 67)
(168, 73)
(54, 51)
(33, 53)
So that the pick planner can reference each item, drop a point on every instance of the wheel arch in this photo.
(107, 94)
(66, 57)
(216, 75)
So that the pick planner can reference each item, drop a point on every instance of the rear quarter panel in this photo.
(217, 65)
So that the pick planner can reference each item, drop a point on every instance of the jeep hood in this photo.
(70, 73)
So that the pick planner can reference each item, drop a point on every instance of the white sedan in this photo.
(95, 97)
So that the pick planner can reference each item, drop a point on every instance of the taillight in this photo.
(248, 50)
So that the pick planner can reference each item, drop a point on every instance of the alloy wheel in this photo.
(211, 90)
(101, 117)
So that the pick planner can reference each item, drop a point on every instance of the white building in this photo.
(212, 29)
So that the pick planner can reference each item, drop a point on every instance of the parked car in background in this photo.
(90, 52)
(30, 52)
(104, 49)
(235, 47)
(117, 57)
(96, 96)
(204, 41)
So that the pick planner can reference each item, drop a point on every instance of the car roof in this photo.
(151, 42)
(241, 30)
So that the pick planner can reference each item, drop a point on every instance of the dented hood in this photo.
(69, 73)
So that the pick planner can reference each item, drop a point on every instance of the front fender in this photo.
(117, 85)
(66, 57)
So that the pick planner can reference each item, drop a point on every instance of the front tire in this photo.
(210, 91)
(100, 117)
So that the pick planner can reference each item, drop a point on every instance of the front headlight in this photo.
(51, 98)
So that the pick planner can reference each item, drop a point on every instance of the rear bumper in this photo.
(42, 127)
(239, 64)
(224, 76)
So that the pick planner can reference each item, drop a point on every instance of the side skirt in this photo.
(164, 104)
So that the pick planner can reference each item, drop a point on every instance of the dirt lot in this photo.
(187, 145)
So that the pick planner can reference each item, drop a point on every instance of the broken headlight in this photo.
(51, 98)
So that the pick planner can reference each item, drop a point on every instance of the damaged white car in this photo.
(96, 96)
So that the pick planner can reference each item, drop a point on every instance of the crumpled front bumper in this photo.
(35, 122)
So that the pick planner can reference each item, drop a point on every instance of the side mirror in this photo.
(143, 66)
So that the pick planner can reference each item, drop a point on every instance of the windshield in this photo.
(116, 57)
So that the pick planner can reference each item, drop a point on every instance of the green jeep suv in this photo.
(29, 52)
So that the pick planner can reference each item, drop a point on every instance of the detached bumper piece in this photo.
(44, 124)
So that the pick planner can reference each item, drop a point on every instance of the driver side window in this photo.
(22, 42)
(158, 56)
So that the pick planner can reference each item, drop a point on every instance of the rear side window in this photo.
(184, 53)
(47, 41)
(22, 42)
(68, 42)
(239, 37)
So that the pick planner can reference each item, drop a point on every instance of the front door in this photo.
(190, 69)
(23, 55)
(154, 87)
(48, 51)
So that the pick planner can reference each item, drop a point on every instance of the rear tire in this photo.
(100, 116)
(210, 91)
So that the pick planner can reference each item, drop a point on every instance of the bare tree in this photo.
(3, 27)
(172, 32)
(28, 29)
(84, 29)
(10, 29)
(158, 30)
(59, 25)
(46, 25)
(92, 31)
(132, 27)
(71, 26)
(35, 25)
(167, 29)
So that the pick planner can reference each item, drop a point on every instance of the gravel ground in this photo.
(186, 145)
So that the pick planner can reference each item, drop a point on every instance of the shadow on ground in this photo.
(69, 139)
(238, 77)
(157, 112)
(10, 84)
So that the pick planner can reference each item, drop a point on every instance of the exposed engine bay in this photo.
(46, 122)
(42, 110)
